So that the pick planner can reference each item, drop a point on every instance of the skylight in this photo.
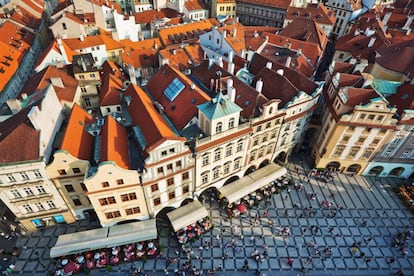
(173, 89)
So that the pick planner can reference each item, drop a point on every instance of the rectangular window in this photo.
(178, 164)
(405, 154)
(128, 197)
(239, 147)
(83, 186)
(171, 195)
(164, 153)
(206, 160)
(154, 187)
(120, 181)
(169, 167)
(76, 170)
(170, 181)
(69, 188)
(204, 178)
(131, 211)
(37, 173)
(217, 155)
(62, 172)
(40, 189)
(76, 201)
(338, 151)
(105, 184)
(380, 117)
(346, 138)
(362, 116)
(354, 151)
(371, 117)
(24, 176)
(375, 141)
(236, 164)
(160, 170)
(114, 214)
(367, 154)
(185, 189)
(51, 204)
(28, 191)
(157, 201)
(255, 141)
(186, 175)
(27, 208)
(226, 168)
(11, 178)
(16, 193)
(361, 140)
(229, 151)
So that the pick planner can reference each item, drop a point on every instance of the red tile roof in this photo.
(354, 80)
(398, 58)
(319, 13)
(188, 97)
(141, 54)
(150, 15)
(357, 96)
(76, 140)
(18, 133)
(200, 26)
(26, 18)
(114, 143)
(43, 79)
(404, 98)
(235, 40)
(194, 5)
(144, 115)
(177, 57)
(112, 84)
(282, 4)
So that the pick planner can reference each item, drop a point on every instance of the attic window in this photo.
(238, 96)
(173, 89)
(2, 70)
(193, 101)
(246, 103)
(404, 97)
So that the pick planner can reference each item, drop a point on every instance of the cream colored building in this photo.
(223, 8)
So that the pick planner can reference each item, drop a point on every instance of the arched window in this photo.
(204, 178)
(226, 168)
(217, 155)
(229, 150)
(231, 123)
(216, 172)
(219, 127)
(206, 159)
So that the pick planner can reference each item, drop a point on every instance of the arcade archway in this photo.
(264, 163)
(396, 171)
(377, 170)
(280, 158)
(354, 168)
(333, 165)
(250, 170)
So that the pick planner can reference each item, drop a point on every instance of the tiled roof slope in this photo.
(141, 54)
(144, 115)
(76, 140)
(184, 107)
(404, 98)
(44, 78)
(356, 96)
(112, 84)
(235, 36)
(319, 13)
(195, 5)
(14, 42)
(398, 58)
(18, 133)
(246, 96)
(114, 143)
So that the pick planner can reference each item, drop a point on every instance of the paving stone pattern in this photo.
(363, 199)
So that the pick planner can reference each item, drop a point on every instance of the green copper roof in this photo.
(385, 86)
(218, 107)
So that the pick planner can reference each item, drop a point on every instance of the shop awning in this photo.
(79, 242)
(187, 214)
(252, 182)
(131, 232)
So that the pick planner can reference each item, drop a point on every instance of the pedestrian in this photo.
(391, 261)
(290, 262)
(362, 254)
(367, 260)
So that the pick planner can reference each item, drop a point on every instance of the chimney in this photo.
(14, 105)
(131, 73)
(230, 64)
(210, 63)
(269, 65)
(220, 61)
(259, 86)
(230, 57)
(192, 86)
(371, 41)
(288, 60)
(224, 33)
(234, 32)
(81, 38)
(57, 81)
(231, 68)
(280, 71)
(386, 18)
(408, 32)
(62, 50)
(232, 94)
(229, 84)
(408, 22)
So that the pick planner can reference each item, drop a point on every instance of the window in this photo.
(204, 178)
(338, 151)
(131, 211)
(76, 170)
(160, 170)
(256, 141)
(268, 124)
(405, 154)
(105, 184)
(92, 75)
(231, 123)
(178, 164)
(164, 153)
(219, 127)
(171, 150)
(229, 150)
(169, 167)
(269, 149)
(260, 153)
(62, 172)
(216, 173)
(128, 197)
(380, 117)
(206, 159)
(351, 128)
(375, 141)
(76, 201)
(27, 208)
(51, 204)
(170, 181)
(185, 189)
(157, 201)
(383, 130)
(371, 117)
(362, 116)
(252, 156)
(264, 139)
(114, 214)
(217, 155)
(24, 176)
(28, 191)
(171, 195)
(367, 153)
(173, 89)
(185, 176)
(154, 187)
(259, 128)
(39, 206)
(354, 151)
(37, 174)
(226, 168)
(11, 178)
(15, 193)
(119, 181)
(83, 186)
(87, 101)
(361, 140)
(236, 164)
(389, 152)
(40, 189)
(107, 200)
(239, 146)
(64, 26)
(69, 188)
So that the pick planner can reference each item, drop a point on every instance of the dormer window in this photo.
(219, 127)
(231, 123)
